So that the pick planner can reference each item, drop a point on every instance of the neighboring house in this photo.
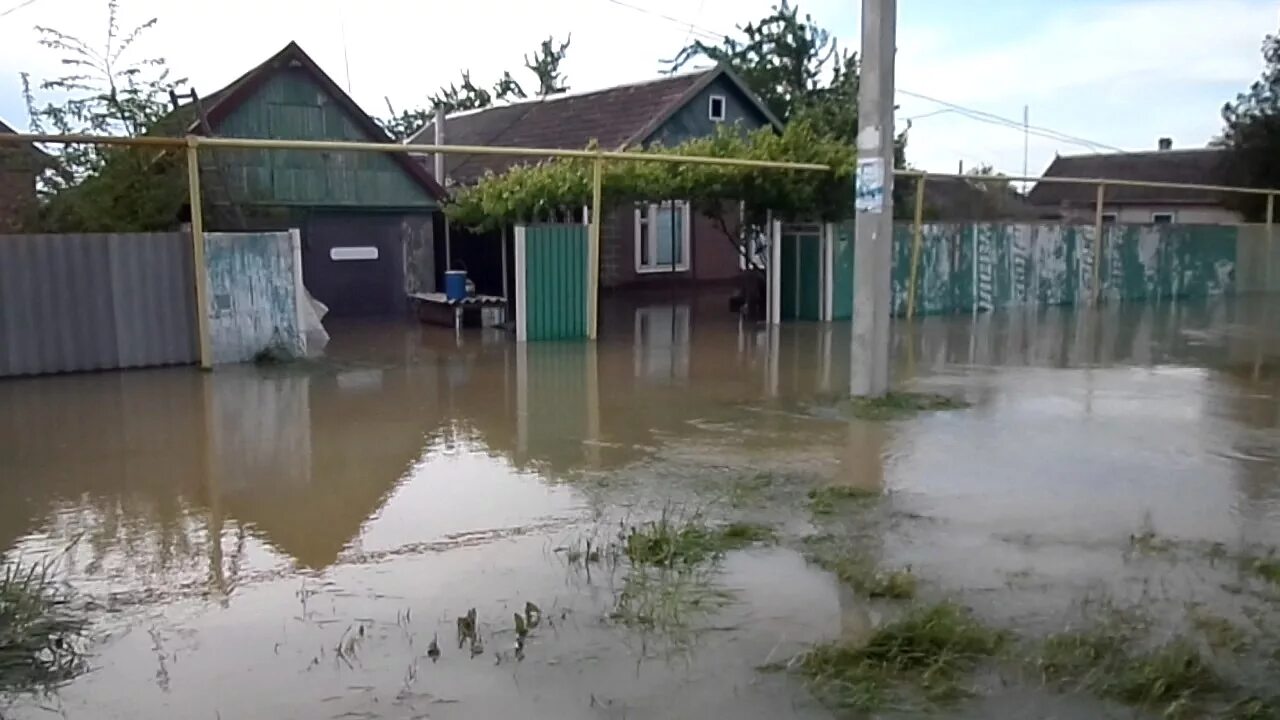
(638, 243)
(19, 167)
(1137, 204)
(366, 219)
(949, 199)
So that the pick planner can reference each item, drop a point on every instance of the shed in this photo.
(366, 218)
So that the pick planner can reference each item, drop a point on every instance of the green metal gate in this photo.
(551, 282)
(801, 273)
(842, 271)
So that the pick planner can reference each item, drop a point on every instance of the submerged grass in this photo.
(670, 541)
(860, 572)
(826, 500)
(1173, 678)
(41, 633)
(900, 404)
(928, 653)
(668, 601)
(1266, 567)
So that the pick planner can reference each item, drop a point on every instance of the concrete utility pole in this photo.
(873, 245)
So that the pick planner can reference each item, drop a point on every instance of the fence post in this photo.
(1097, 244)
(197, 252)
(1271, 210)
(917, 231)
(522, 305)
(593, 251)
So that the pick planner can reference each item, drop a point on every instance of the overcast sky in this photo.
(1118, 73)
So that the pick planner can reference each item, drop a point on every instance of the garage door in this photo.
(354, 263)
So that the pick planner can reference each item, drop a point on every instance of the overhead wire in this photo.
(972, 113)
(17, 7)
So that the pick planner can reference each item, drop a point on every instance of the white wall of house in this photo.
(1143, 214)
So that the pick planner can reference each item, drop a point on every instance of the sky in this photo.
(1106, 74)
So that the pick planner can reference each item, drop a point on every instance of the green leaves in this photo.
(528, 193)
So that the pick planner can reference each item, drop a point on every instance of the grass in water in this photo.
(901, 404)
(929, 653)
(41, 633)
(1172, 678)
(670, 541)
(668, 601)
(826, 500)
(859, 572)
(1266, 567)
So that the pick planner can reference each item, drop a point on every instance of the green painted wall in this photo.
(291, 106)
(693, 120)
(987, 266)
(555, 282)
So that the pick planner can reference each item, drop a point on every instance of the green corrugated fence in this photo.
(551, 293)
(985, 266)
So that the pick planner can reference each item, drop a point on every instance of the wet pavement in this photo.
(287, 541)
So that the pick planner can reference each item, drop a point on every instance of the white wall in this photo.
(1140, 214)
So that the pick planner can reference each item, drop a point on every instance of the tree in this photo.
(109, 91)
(793, 65)
(799, 72)
(545, 66)
(1252, 135)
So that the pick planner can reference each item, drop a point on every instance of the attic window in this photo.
(715, 108)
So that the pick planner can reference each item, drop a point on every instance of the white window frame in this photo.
(1172, 215)
(724, 108)
(649, 215)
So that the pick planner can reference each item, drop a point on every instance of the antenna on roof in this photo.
(346, 58)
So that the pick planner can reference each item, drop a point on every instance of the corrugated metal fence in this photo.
(95, 302)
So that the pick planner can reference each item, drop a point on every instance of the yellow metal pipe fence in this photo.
(192, 144)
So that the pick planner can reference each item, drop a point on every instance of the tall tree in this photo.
(1252, 135)
(110, 90)
(544, 64)
(793, 65)
(799, 72)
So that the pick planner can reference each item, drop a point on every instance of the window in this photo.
(1109, 218)
(1162, 218)
(715, 108)
(662, 237)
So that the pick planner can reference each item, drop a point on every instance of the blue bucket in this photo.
(455, 284)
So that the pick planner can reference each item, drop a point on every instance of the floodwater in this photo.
(286, 542)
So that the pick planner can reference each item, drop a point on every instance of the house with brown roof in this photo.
(20, 166)
(1074, 202)
(642, 243)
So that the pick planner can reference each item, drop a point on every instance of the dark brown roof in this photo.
(1200, 166)
(6, 129)
(220, 104)
(615, 117)
(956, 199)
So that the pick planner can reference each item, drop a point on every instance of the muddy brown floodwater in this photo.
(286, 542)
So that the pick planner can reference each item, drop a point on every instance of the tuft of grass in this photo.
(669, 541)
(859, 572)
(826, 500)
(1220, 633)
(901, 404)
(1266, 567)
(41, 632)
(741, 534)
(671, 602)
(750, 490)
(928, 652)
(1252, 709)
(1171, 678)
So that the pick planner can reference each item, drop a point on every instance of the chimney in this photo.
(1166, 143)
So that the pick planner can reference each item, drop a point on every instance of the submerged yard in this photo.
(1063, 514)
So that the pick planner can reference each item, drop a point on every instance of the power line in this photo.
(694, 29)
(972, 113)
(1009, 122)
(17, 7)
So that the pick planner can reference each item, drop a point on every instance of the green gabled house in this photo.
(367, 220)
